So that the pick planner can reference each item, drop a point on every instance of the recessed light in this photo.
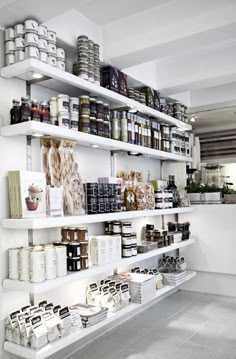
(192, 119)
(37, 75)
(38, 135)
(132, 110)
(94, 146)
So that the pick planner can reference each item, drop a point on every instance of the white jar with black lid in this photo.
(127, 251)
(126, 227)
(63, 103)
(64, 119)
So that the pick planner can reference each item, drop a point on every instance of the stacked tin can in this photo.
(31, 40)
(103, 198)
(96, 64)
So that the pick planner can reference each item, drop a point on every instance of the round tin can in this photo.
(52, 50)
(64, 119)
(23, 258)
(37, 266)
(13, 263)
(62, 103)
(10, 47)
(117, 227)
(43, 56)
(84, 262)
(43, 44)
(10, 59)
(52, 36)
(31, 52)
(53, 108)
(127, 251)
(31, 26)
(73, 249)
(61, 65)
(19, 55)
(73, 264)
(74, 104)
(19, 43)
(74, 121)
(82, 234)
(84, 248)
(31, 39)
(43, 31)
(61, 255)
(60, 53)
(84, 105)
(126, 241)
(51, 262)
(52, 60)
(126, 227)
(19, 30)
(9, 34)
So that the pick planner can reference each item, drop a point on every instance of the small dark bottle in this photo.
(45, 115)
(172, 187)
(35, 111)
(15, 112)
(25, 110)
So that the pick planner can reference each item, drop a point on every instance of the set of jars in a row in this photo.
(31, 40)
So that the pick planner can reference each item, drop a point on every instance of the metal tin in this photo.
(126, 241)
(127, 251)
(63, 103)
(82, 234)
(19, 43)
(61, 255)
(19, 55)
(52, 36)
(52, 60)
(43, 31)
(9, 34)
(61, 65)
(73, 249)
(52, 50)
(73, 264)
(84, 262)
(64, 119)
(10, 59)
(10, 47)
(53, 108)
(74, 104)
(84, 105)
(23, 264)
(31, 39)
(51, 262)
(31, 26)
(126, 227)
(13, 267)
(43, 44)
(74, 121)
(19, 30)
(84, 248)
(117, 227)
(60, 53)
(37, 266)
(43, 56)
(31, 52)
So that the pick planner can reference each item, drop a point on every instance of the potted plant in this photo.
(211, 194)
(194, 191)
(229, 194)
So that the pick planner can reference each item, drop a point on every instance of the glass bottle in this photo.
(15, 112)
(124, 127)
(35, 111)
(45, 115)
(149, 134)
(136, 130)
(172, 187)
(129, 197)
(129, 128)
(25, 111)
(115, 126)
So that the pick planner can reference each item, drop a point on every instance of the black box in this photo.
(110, 78)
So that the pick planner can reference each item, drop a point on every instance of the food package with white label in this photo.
(39, 333)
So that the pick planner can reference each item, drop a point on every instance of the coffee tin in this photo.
(51, 262)
(23, 257)
(19, 30)
(9, 34)
(61, 255)
(37, 266)
(31, 52)
(13, 266)
(52, 36)
(43, 31)
(31, 26)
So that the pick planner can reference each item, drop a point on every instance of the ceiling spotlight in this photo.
(94, 146)
(38, 135)
(132, 110)
(37, 75)
(192, 119)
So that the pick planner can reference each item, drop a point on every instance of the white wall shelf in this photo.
(120, 316)
(34, 128)
(65, 82)
(48, 285)
(53, 222)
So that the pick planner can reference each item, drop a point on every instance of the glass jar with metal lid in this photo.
(84, 105)
(126, 227)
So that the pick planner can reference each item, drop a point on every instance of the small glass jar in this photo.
(115, 126)
(82, 234)
(73, 237)
(84, 264)
(100, 127)
(124, 127)
(100, 110)
(93, 107)
(84, 248)
(64, 234)
(117, 227)
(126, 228)
(93, 126)
(84, 105)
(45, 115)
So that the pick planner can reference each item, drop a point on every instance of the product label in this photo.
(65, 105)
(75, 107)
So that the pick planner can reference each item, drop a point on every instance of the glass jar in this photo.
(35, 111)
(25, 111)
(84, 105)
(100, 110)
(84, 123)
(115, 126)
(45, 115)
(124, 127)
(100, 127)
(82, 233)
(84, 262)
(84, 248)
(93, 107)
(15, 112)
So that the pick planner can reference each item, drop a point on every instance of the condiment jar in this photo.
(31, 26)
(84, 123)
(64, 119)
(82, 234)
(124, 127)
(35, 111)
(52, 36)
(84, 105)
(45, 116)
(115, 126)
(84, 262)
(126, 227)
(63, 103)
(10, 47)
(74, 104)
(84, 248)
(74, 121)
(43, 32)
(117, 227)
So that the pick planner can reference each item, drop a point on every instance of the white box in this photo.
(116, 245)
(99, 250)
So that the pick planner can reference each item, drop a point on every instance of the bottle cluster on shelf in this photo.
(103, 197)
(31, 40)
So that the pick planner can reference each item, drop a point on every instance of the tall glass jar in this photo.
(115, 126)
(124, 127)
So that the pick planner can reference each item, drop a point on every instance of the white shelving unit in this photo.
(52, 222)
(120, 316)
(35, 288)
(65, 82)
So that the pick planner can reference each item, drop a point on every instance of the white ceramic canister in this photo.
(61, 65)
(13, 268)
(31, 26)
(23, 258)
(52, 60)
(61, 253)
(31, 52)
(52, 50)
(43, 31)
(37, 266)
(43, 56)
(60, 53)
(31, 39)
(63, 103)
(74, 121)
(9, 47)
(51, 262)
(53, 106)
(19, 30)
(52, 37)
(10, 59)
(19, 43)
(74, 104)
(19, 55)
(43, 44)
(9, 34)
(64, 119)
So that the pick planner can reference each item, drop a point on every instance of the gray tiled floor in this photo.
(185, 325)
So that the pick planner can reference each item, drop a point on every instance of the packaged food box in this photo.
(110, 78)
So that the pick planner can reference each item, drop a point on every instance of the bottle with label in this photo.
(115, 126)
(45, 115)
(15, 112)
(130, 197)
(173, 188)
(35, 111)
(25, 110)
(129, 128)
(124, 127)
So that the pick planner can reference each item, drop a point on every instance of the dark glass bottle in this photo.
(25, 110)
(173, 188)
(35, 111)
(15, 112)
(45, 115)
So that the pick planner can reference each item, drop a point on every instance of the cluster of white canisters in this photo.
(31, 40)
(37, 263)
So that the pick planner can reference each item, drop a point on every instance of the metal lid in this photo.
(62, 96)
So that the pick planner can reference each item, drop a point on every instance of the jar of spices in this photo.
(149, 134)
(45, 115)
(124, 127)
(84, 262)
(35, 111)
(100, 110)
(84, 105)
(72, 231)
(117, 227)
(82, 234)
(84, 123)
(93, 107)
(84, 248)
(100, 127)
(93, 126)
(115, 126)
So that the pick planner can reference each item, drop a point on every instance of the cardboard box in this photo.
(123, 88)
(110, 78)
(149, 93)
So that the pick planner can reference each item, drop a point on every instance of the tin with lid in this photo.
(19, 30)
(19, 43)
(74, 104)
(52, 36)
(64, 119)
(31, 52)
(31, 25)
(74, 121)
(31, 39)
(61, 254)
(52, 50)
(10, 47)
(19, 55)
(61, 65)
(60, 53)
(52, 60)
(62, 103)
(9, 59)
(43, 56)
(9, 34)
(43, 31)
(37, 266)
(43, 44)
